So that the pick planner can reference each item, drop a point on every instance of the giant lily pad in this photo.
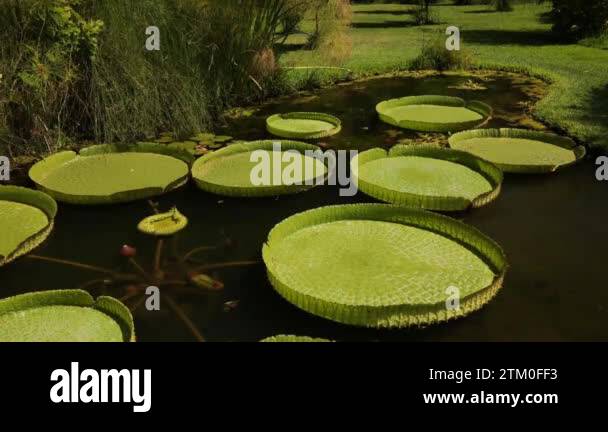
(427, 177)
(64, 316)
(433, 113)
(519, 150)
(380, 265)
(236, 171)
(303, 125)
(111, 174)
(27, 220)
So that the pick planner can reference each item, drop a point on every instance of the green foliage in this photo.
(77, 69)
(45, 59)
(435, 55)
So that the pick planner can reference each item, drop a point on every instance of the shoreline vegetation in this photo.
(86, 64)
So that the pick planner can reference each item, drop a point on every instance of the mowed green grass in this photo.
(385, 39)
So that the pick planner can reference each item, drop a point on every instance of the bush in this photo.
(435, 55)
(580, 18)
(77, 69)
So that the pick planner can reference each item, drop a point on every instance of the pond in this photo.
(552, 228)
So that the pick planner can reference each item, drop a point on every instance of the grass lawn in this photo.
(385, 39)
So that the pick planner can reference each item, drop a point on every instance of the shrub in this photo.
(78, 69)
(435, 55)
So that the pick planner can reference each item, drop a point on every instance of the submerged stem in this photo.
(227, 264)
(74, 264)
(158, 255)
(197, 250)
(184, 318)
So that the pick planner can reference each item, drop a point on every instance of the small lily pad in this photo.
(64, 316)
(432, 113)
(303, 125)
(27, 220)
(163, 224)
(293, 338)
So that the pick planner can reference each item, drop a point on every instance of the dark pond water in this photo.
(552, 228)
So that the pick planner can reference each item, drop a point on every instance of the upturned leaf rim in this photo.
(442, 203)
(394, 316)
(285, 133)
(73, 297)
(479, 107)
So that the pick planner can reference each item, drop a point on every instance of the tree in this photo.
(580, 18)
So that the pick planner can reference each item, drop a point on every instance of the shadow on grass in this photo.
(289, 47)
(510, 37)
(482, 11)
(384, 24)
(382, 12)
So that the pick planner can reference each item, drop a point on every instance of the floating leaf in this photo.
(64, 316)
(163, 224)
(380, 265)
(426, 177)
(110, 174)
(519, 150)
(292, 338)
(434, 113)
(206, 282)
(229, 171)
(222, 138)
(27, 220)
(303, 125)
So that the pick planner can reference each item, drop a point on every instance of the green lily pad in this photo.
(64, 316)
(303, 125)
(427, 177)
(163, 224)
(107, 174)
(292, 338)
(433, 113)
(203, 136)
(229, 171)
(519, 150)
(380, 265)
(188, 146)
(27, 220)
(222, 138)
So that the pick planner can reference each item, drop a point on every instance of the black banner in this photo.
(188, 378)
